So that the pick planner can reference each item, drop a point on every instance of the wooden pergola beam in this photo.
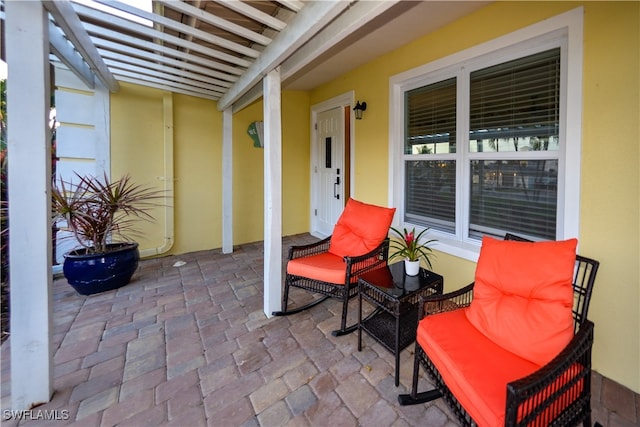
(348, 22)
(311, 19)
(69, 57)
(68, 20)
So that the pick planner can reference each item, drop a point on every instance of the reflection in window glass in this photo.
(515, 195)
(515, 106)
(431, 119)
(430, 193)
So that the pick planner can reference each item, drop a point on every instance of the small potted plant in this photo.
(101, 216)
(408, 247)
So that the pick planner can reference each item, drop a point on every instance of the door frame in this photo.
(345, 100)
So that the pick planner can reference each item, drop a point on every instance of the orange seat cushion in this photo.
(473, 367)
(476, 370)
(325, 267)
(360, 229)
(523, 295)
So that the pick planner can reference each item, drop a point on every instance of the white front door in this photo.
(329, 170)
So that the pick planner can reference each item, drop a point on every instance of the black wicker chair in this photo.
(557, 390)
(368, 225)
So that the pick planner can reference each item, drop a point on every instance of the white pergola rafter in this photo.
(167, 87)
(124, 62)
(214, 69)
(109, 20)
(183, 28)
(253, 13)
(311, 19)
(143, 73)
(294, 5)
(351, 20)
(161, 63)
(65, 17)
(65, 52)
(160, 81)
(203, 16)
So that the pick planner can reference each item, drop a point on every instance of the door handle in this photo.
(335, 194)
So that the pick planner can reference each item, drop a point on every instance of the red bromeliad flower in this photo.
(409, 246)
(409, 238)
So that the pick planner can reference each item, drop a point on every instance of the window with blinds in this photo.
(510, 156)
(431, 119)
(430, 193)
(515, 196)
(430, 132)
(515, 107)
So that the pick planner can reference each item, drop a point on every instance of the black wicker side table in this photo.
(395, 298)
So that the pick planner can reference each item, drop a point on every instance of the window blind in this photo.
(430, 194)
(515, 106)
(516, 196)
(431, 118)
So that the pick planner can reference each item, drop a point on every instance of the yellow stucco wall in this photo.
(137, 147)
(296, 160)
(198, 180)
(610, 195)
(248, 170)
(610, 199)
(137, 126)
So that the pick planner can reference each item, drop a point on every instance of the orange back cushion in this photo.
(523, 296)
(360, 228)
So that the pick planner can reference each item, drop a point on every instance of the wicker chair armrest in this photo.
(375, 258)
(433, 304)
(300, 251)
(567, 374)
(373, 253)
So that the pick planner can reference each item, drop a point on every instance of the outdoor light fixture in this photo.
(358, 109)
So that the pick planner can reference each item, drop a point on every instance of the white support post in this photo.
(272, 193)
(29, 148)
(227, 181)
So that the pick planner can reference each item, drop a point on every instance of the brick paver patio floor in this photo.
(190, 345)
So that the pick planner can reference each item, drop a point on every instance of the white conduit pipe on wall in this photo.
(167, 179)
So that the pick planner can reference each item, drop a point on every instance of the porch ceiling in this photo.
(221, 49)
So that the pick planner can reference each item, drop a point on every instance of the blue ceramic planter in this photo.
(94, 273)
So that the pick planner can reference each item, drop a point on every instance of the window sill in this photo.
(468, 250)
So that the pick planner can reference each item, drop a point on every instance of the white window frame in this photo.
(564, 31)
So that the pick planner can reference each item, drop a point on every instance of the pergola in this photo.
(229, 51)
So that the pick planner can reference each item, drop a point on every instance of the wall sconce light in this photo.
(358, 109)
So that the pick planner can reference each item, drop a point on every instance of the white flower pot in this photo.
(411, 268)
